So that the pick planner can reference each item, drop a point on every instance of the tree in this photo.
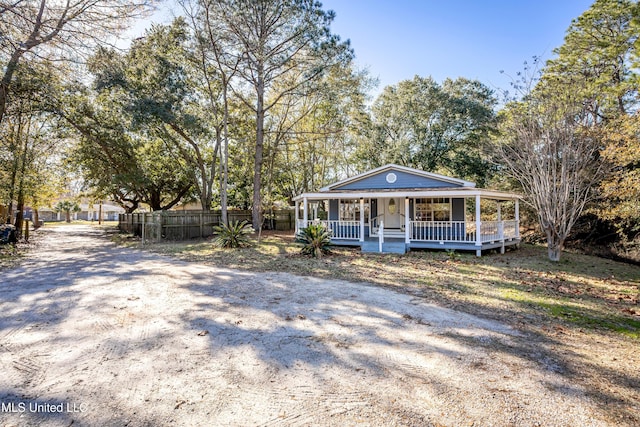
(276, 39)
(67, 206)
(598, 64)
(28, 138)
(419, 123)
(166, 97)
(318, 132)
(218, 65)
(547, 146)
(596, 59)
(29, 27)
(117, 162)
(620, 188)
(552, 141)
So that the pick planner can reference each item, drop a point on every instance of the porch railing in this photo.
(462, 231)
(430, 231)
(495, 231)
(342, 230)
(441, 231)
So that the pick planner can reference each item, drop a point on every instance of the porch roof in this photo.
(452, 192)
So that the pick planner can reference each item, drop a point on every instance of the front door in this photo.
(392, 210)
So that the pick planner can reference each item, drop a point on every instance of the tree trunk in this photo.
(67, 215)
(225, 155)
(36, 219)
(10, 69)
(555, 245)
(19, 213)
(256, 209)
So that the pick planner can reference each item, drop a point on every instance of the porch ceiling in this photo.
(410, 192)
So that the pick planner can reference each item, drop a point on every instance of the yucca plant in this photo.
(236, 234)
(315, 239)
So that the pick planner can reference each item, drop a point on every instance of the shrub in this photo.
(236, 234)
(315, 239)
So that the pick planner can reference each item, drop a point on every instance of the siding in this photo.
(404, 180)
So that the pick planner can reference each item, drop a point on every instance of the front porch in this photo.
(396, 208)
(446, 223)
(452, 235)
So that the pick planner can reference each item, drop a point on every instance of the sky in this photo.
(398, 39)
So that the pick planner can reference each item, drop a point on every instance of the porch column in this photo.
(478, 228)
(297, 216)
(407, 221)
(517, 218)
(305, 212)
(361, 219)
(500, 225)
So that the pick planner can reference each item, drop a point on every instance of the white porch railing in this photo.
(428, 231)
(462, 231)
(441, 231)
(374, 224)
(342, 230)
(496, 231)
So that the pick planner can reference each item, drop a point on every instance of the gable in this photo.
(384, 180)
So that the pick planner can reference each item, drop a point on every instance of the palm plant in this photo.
(315, 239)
(236, 234)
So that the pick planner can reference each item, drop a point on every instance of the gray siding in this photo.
(404, 180)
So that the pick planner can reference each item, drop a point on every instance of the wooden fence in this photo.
(183, 225)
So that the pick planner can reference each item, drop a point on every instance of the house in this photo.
(89, 211)
(395, 208)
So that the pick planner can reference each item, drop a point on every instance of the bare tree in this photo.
(551, 149)
(57, 30)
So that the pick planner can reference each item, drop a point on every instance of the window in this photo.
(350, 210)
(432, 209)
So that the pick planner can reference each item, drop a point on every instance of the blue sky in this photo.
(398, 39)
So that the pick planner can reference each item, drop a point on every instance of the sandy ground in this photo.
(92, 334)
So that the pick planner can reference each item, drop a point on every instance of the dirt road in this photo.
(92, 334)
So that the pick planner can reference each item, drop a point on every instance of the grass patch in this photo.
(584, 317)
(521, 286)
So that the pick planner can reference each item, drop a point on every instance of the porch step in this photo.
(393, 234)
(388, 247)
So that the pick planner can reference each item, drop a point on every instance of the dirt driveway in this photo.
(92, 334)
